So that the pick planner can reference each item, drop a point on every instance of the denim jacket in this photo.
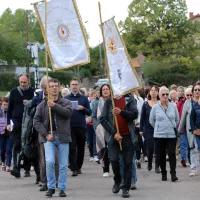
(195, 117)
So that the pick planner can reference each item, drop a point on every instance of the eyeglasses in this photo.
(165, 94)
(189, 95)
(197, 90)
(74, 84)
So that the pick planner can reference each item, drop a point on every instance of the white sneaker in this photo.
(105, 175)
(145, 159)
(96, 159)
(192, 173)
(91, 159)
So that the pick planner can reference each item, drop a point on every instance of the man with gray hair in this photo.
(17, 99)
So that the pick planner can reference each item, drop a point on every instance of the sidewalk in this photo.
(92, 186)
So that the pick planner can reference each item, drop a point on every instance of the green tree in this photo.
(161, 30)
(13, 35)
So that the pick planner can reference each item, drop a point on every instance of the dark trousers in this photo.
(91, 140)
(106, 161)
(43, 177)
(77, 147)
(141, 145)
(6, 145)
(150, 151)
(16, 137)
(169, 145)
(127, 151)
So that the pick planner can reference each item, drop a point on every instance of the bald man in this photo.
(17, 99)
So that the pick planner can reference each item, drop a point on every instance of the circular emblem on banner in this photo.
(112, 45)
(63, 32)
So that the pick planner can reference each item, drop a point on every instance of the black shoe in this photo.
(138, 165)
(70, 167)
(149, 167)
(15, 172)
(174, 178)
(116, 188)
(37, 180)
(125, 193)
(62, 193)
(27, 173)
(50, 192)
(75, 173)
(164, 177)
(157, 170)
(79, 171)
(43, 188)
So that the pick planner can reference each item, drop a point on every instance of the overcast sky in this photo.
(90, 13)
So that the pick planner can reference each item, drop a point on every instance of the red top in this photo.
(122, 123)
(180, 105)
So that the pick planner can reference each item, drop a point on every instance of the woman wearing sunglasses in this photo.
(164, 118)
(192, 96)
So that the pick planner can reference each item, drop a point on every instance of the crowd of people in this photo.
(49, 128)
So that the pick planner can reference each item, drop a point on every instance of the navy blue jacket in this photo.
(78, 116)
(145, 126)
(16, 106)
(195, 116)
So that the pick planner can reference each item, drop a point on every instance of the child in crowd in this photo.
(6, 143)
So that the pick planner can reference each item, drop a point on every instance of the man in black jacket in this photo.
(125, 112)
(17, 99)
(81, 108)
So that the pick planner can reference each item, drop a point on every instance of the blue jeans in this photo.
(184, 146)
(134, 175)
(6, 145)
(63, 154)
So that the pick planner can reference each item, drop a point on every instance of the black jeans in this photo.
(16, 137)
(150, 151)
(142, 146)
(169, 145)
(91, 140)
(128, 151)
(77, 147)
(106, 161)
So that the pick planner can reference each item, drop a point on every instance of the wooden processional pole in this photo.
(108, 72)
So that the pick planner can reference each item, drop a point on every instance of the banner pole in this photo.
(108, 72)
(46, 61)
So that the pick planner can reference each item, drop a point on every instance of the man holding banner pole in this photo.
(125, 112)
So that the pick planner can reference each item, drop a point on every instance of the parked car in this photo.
(100, 82)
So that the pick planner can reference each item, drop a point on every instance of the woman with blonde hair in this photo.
(164, 118)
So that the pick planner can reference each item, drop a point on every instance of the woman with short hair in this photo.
(164, 118)
(173, 96)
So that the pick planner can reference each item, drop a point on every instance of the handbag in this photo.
(175, 129)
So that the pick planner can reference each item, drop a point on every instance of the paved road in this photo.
(91, 186)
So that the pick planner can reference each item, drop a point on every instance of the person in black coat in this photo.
(17, 99)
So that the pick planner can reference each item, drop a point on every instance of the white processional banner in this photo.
(67, 41)
(123, 76)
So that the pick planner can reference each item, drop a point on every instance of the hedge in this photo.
(11, 80)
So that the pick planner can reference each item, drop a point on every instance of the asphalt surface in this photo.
(92, 186)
